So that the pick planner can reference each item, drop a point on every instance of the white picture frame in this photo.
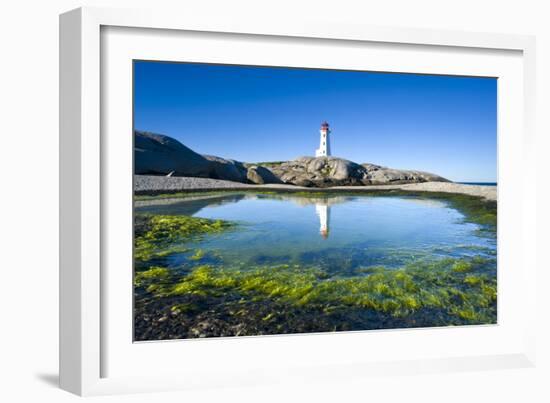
(85, 190)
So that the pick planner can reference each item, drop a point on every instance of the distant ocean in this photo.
(479, 183)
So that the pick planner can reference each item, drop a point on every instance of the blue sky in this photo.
(440, 124)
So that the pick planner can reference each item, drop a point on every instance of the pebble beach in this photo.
(149, 184)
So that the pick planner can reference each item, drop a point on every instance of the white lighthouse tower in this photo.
(324, 145)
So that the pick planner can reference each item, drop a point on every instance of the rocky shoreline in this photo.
(151, 184)
(157, 154)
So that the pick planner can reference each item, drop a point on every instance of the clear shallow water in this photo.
(337, 233)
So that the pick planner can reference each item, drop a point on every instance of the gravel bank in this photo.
(145, 184)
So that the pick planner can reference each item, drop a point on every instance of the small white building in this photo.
(324, 145)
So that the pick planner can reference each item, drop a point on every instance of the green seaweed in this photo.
(162, 235)
(150, 275)
(198, 255)
(462, 266)
(427, 291)
(183, 194)
(396, 292)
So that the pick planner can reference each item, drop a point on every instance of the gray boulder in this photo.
(156, 154)
(377, 175)
(320, 172)
(333, 171)
(261, 175)
(230, 170)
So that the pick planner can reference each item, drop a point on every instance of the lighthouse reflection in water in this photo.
(323, 211)
(333, 230)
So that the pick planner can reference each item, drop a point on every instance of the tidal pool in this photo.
(245, 263)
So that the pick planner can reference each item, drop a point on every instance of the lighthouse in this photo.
(324, 144)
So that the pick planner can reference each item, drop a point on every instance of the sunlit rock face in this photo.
(261, 175)
(156, 154)
(333, 171)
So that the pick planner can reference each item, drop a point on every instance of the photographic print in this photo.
(276, 200)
